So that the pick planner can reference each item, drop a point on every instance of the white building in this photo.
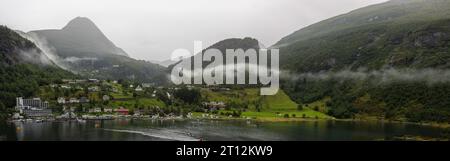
(93, 89)
(95, 110)
(61, 100)
(107, 110)
(65, 86)
(106, 98)
(30, 103)
(93, 80)
(138, 88)
(147, 85)
(34, 107)
(74, 100)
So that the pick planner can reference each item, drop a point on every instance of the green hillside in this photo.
(403, 35)
(398, 33)
(261, 107)
(19, 76)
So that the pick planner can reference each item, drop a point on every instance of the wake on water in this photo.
(163, 134)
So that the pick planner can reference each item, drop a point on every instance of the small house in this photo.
(122, 111)
(93, 80)
(93, 89)
(106, 98)
(61, 100)
(84, 100)
(138, 89)
(74, 100)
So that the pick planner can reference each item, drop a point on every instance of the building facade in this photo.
(34, 107)
(34, 103)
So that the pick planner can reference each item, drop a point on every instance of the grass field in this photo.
(308, 113)
(279, 102)
(120, 94)
(273, 107)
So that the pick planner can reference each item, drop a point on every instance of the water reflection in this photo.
(143, 130)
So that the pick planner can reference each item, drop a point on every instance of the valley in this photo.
(380, 72)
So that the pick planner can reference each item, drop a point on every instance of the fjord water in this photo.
(192, 130)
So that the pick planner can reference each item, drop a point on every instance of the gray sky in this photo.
(152, 29)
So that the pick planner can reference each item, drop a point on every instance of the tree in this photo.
(4, 112)
(300, 107)
(316, 108)
(189, 96)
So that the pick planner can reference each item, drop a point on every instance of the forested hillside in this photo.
(20, 76)
(389, 60)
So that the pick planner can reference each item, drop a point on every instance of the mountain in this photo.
(23, 68)
(80, 38)
(398, 33)
(236, 43)
(386, 61)
(231, 43)
(164, 63)
(17, 50)
(82, 48)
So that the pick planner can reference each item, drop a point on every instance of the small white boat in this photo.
(81, 120)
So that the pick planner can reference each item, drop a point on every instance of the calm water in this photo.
(136, 130)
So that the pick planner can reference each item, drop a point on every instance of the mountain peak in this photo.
(81, 23)
(80, 38)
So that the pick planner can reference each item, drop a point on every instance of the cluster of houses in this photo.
(62, 100)
(66, 86)
(75, 81)
(213, 106)
(70, 83)
(119, 111)
(141, 87)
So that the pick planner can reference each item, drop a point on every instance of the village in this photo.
(93, 99)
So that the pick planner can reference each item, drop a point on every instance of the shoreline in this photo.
(258, 119)
(271, 119)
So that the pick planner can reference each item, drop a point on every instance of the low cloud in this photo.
(430, 76)
(238, 67)
(77, 59)
(47, 50)
(35, 56)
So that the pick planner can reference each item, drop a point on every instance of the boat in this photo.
(81, 120)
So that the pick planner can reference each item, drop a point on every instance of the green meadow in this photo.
(276, 107)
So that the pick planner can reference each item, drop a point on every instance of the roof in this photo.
(122, 110)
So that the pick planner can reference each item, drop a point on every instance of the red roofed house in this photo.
(122, 111)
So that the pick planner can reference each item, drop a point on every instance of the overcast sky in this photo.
(152, 29)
